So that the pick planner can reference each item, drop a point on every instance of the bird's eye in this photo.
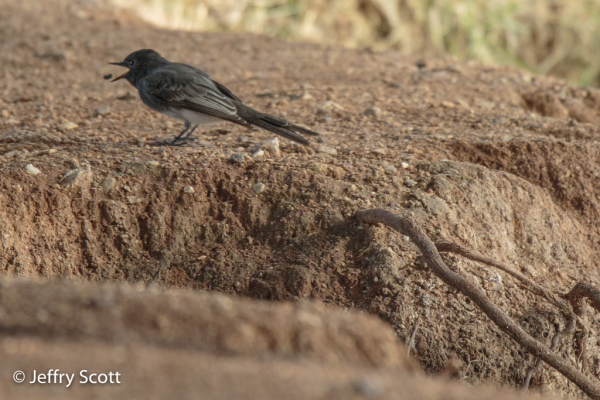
(131, 63)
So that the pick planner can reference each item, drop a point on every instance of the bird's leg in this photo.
(190, 132)
(186, 126)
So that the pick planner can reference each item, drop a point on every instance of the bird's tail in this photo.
(274, 124)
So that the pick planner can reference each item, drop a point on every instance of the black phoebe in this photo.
(187, 93)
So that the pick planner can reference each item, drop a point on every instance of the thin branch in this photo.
(411, 342)
(534, 287)
(406, 226)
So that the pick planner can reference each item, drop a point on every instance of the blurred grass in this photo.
(557, 37)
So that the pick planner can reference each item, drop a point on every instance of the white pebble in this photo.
(404, 165)
(258, 153)
(32, 170)
(272, 146)
(67, 126)
(152, 163)
(188, 189)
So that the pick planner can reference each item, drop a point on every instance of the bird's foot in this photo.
(177, 142)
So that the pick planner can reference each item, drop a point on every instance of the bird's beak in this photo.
(120, 64)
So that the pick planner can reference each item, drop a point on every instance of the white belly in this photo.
(192, 117)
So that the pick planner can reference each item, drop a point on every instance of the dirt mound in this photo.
(178, 344)
(107, 204)
(187, 320)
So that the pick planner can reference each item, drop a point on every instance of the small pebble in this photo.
(410, 183)
(327, 150)
(272, 146)
(258, 154)
(134, 200)
(380, 150)
(237, 158)
(67, 126)
(32, 170)
(258, 187)
(369, 389)
(108, 184)
(77, 177)
(404, 165)
(108, 76)
(390, 169)
(188, 189)
(152, 163)
(12, 153)
(102, 110)
(373, 112)
(447, 104)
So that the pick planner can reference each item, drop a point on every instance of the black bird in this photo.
(187, 93)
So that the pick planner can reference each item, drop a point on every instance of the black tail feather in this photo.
(274, 124)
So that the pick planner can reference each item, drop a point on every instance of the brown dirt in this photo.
(532, 201)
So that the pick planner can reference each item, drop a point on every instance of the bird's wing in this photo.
(193, 91)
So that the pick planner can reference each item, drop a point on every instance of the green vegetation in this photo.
(558, 37)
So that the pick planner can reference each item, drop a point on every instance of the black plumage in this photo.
(189, 94)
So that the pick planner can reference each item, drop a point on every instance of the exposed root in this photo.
(407, 226)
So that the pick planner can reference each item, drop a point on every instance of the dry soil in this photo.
(495, 158)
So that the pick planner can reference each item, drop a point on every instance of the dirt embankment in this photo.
(493, 158)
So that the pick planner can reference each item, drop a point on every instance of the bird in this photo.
(189, 94)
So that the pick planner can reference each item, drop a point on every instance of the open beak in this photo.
(120, 64)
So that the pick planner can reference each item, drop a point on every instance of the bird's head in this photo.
(140, 64)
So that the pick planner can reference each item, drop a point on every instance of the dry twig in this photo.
(406, 226)
(535, 288)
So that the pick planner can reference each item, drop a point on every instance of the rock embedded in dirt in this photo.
(30, 169)
(390, 169)
(12, 153)
(102, 110)
(258, 187)
(108, 184)
(188, 189)
(271, 146)
(77, 177)
(258, 154)
(238, 158)
(67, 126)
(327, 150)
(373, 112)
(152, 163)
